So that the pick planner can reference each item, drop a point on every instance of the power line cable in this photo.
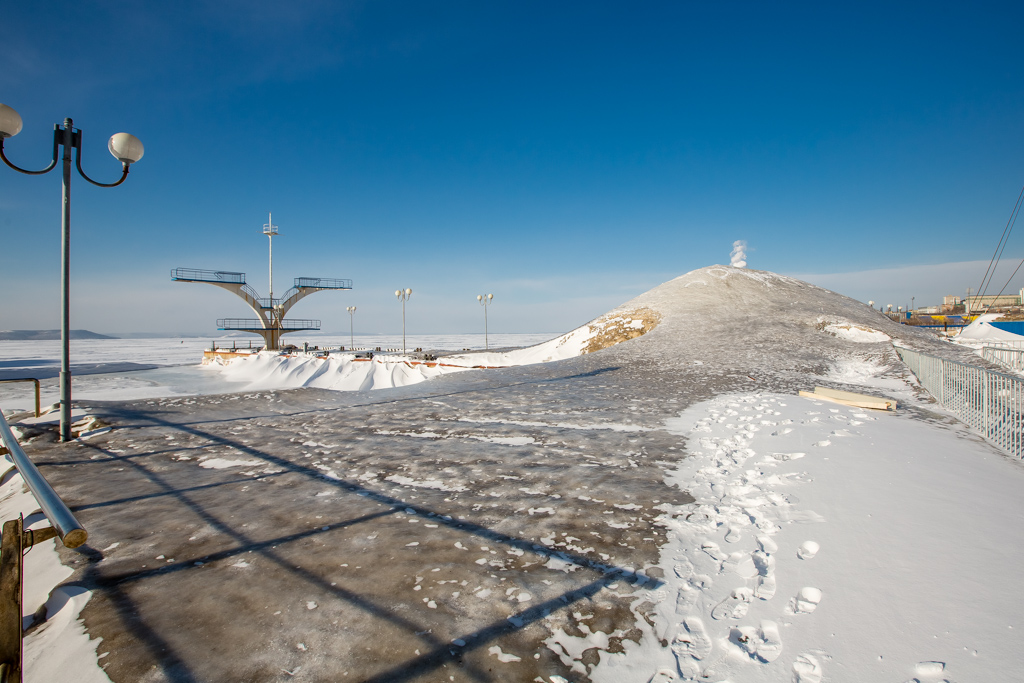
(1013, 217)
(991, 270)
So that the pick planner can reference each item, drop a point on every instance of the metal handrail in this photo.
(27, 379)
(323, 282)
(243, 324)
(197, 275)
(71, 533)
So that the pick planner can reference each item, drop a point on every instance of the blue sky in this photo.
(563, 156)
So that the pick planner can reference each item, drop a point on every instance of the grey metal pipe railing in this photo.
(71, 533)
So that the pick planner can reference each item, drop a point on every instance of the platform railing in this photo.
(15, 540)
(254, 324)
(197, 275)
(27, 379)
(990, 403)
(323, 282)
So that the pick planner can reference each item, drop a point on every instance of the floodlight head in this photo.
(126, 148)
(10, 122)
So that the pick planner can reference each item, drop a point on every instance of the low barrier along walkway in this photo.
(990, 403)
(1011, 357)
(15, 540)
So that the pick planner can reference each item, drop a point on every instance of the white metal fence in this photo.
(989, 402)
(1004, 344)
(1012, 358)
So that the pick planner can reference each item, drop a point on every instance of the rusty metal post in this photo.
(11, 553)
(27, 379)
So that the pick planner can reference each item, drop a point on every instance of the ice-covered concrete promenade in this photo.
(663, 509)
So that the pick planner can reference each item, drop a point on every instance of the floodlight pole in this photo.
(485, 301)
(351, 326)
(403, 296)
(127, 149)
(270, 230)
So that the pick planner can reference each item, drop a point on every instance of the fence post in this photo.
(942, 386)
(984, 403)
(11, 553)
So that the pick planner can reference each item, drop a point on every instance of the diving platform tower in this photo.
(271, 312)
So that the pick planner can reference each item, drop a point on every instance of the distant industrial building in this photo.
(982, 304)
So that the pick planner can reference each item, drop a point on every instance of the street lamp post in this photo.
(127, 149)
(403, 296)
(485, 301)
(351, 326)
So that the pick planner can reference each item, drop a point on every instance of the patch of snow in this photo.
(428, 484)
(503, 656)
(981, 329)
(224, 463)
(860, 334)
(780, 606)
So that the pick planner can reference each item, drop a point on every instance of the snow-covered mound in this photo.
(346, 372)
(692, 315)
(270, 370)
(983, 330)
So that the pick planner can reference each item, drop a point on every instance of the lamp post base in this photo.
(65, 405)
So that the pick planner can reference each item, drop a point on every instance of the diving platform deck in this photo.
(256, 325)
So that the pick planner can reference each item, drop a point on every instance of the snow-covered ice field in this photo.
(664, 509)
(126, 369)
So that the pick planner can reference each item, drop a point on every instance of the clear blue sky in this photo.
(564, 156)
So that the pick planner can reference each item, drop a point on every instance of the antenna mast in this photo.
(270, 230)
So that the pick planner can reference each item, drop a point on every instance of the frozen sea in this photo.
(127, 369)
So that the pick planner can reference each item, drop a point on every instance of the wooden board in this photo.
(849, 398)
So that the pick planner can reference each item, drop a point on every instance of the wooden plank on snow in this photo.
(850, 398)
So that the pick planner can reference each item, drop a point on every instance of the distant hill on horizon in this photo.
(47, 335)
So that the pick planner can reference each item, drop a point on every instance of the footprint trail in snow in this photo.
(722, 618)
